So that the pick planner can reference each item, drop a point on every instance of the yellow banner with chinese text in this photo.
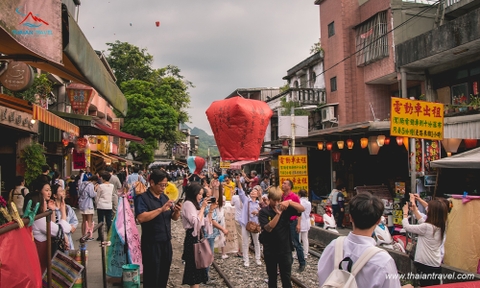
(416, 119)
(225, 164)
(294, 168)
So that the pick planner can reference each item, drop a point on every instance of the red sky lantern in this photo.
(239, 126)
(157, 23)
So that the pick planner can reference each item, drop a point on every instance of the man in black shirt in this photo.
(154, 212)
(276, 237)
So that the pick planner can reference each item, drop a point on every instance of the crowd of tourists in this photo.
(272, 218)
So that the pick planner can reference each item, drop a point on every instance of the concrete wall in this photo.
(455, 33)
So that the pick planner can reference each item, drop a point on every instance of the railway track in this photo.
(257, 277)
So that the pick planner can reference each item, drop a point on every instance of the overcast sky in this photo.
(219, 45)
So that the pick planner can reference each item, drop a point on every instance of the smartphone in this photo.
(179, 201)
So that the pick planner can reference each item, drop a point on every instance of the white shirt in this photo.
(305, 222)
(333, 196)
(372, 275)
(104, 197)
(429, 245)
(237, 203)
(39, 228)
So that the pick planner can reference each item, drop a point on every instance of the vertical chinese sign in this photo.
(416, 119)
(294, 168)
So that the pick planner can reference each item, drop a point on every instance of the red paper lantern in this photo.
(350, 144)
(65, 142)
(336, 156)
(470, 143)
(329, 146)
(399, 141)
(387, 140)
(239, 126)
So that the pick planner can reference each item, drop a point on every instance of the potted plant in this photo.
(474, 101)
(34, 158)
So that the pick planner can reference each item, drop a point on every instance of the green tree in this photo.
(129, 62)
(157, 99)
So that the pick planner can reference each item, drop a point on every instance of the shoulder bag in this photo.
(58, 242)
(252, 227)
(139, 187)
(202, 252)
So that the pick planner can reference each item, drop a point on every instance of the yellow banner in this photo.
(292, 165)
(295, 168)
(299, 182)
(416, 119)
(224, 164)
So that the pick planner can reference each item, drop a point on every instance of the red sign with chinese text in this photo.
(80, 98)
(416, 119)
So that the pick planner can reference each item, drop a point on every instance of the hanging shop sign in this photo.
(103, 144)
(122, 146)
(17, 119)
(17, 77)
(294, 168)
(36, 25)
(79, 160)
(416, 119)
(80, 97)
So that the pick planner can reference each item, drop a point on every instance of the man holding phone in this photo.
(154, 211)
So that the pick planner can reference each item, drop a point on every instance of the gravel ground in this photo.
(239, 276)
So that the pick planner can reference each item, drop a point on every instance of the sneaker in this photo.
(246, 264)
(225, 256)
(90, 239)
(259, 262)
(301, 268)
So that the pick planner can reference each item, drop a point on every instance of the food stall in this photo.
(462, 246)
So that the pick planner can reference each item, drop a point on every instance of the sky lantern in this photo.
(239, 127)
(195, 164)
(157, 23)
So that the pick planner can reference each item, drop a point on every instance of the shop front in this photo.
(17, 130)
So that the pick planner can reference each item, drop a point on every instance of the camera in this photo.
(212, 200)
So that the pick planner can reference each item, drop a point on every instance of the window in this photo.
(371, 39)
(331, 29)
(333, 84)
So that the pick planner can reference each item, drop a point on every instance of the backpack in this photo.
(346, 278)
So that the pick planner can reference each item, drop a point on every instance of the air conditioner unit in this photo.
(328, 114)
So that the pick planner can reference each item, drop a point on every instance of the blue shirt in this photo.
(215, 232)
(159, 228)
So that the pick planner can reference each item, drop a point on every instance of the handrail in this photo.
(26, 221)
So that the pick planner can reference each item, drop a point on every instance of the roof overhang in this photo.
(238, 165)
(349, 129)
(80, 63)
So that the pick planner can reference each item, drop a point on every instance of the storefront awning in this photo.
(462, 127)
(349, 129)
(117, 133)
(238, 165)
(469, 159)
(53, 120)
(128, 162)
(107, 158)
(80, 63)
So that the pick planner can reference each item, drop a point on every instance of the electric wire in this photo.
(376, 39)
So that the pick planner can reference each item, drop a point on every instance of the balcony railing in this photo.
(449, 3)
(306, 96)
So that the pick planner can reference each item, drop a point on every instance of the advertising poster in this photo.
(294, 168)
